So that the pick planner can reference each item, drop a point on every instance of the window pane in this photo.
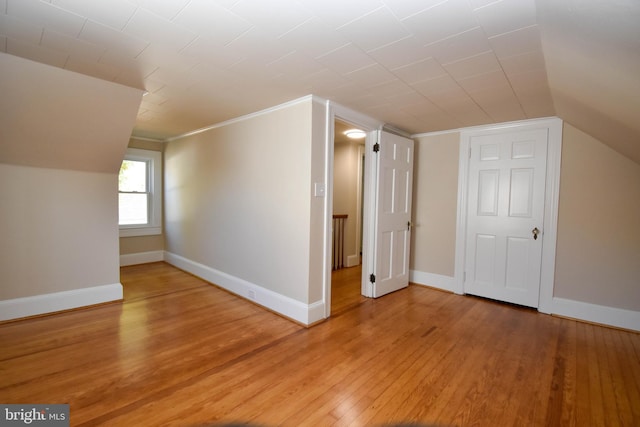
(133, 209)
(133, 176)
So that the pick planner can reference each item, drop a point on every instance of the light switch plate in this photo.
(319, 190)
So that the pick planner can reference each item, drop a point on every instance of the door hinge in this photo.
(376, 147)
(372, 278)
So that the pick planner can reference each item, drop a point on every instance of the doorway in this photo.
(385, 209)
(505, 215)
(347, 240)
(508, 189)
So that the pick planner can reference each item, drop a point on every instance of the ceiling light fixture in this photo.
(355, 133)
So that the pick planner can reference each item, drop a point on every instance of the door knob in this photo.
(535, 232)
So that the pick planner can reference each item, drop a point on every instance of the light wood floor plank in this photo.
(180, 352)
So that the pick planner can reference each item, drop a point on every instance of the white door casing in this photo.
(505, 215)
(392, 222)
(546, 241)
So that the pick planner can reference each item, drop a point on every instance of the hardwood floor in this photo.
(181, 352)
(346, 290)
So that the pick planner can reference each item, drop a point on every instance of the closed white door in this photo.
(506, 193)
(393, 214)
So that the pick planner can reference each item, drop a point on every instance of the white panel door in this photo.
(393, 214)
(505, 214)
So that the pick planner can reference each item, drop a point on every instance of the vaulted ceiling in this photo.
(418, 65)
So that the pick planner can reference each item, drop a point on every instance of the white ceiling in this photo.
(418, 65)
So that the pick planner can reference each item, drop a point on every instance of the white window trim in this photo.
(154, 226)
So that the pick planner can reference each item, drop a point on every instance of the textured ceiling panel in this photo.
(419, 65)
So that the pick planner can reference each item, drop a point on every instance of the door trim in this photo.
(551, 199)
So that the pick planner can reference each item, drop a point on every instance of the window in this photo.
(140, 193)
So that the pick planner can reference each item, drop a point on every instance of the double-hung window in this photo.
(140, 193)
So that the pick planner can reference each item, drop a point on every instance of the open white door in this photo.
(392, 217)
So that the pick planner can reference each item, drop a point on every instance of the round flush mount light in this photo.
(355, 133)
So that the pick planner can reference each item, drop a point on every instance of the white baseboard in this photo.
(141, 258)
(59, 301)
(610, 316)
(353, 260)
(286, 306)
(446, 283)
(594, 313)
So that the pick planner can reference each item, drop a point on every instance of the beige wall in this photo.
(62, 139)
(435, 200)
(238, 199)
(598, 249)
(59, 230)
(55, 118)
(346, 181)
(139, 244)
(145, 144)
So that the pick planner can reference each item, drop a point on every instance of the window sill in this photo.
(140, 231)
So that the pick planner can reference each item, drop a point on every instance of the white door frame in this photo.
(550, 221)
(369, 125)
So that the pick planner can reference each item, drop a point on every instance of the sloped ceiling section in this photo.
(417, 65)
(592, 53)
(54, 118)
